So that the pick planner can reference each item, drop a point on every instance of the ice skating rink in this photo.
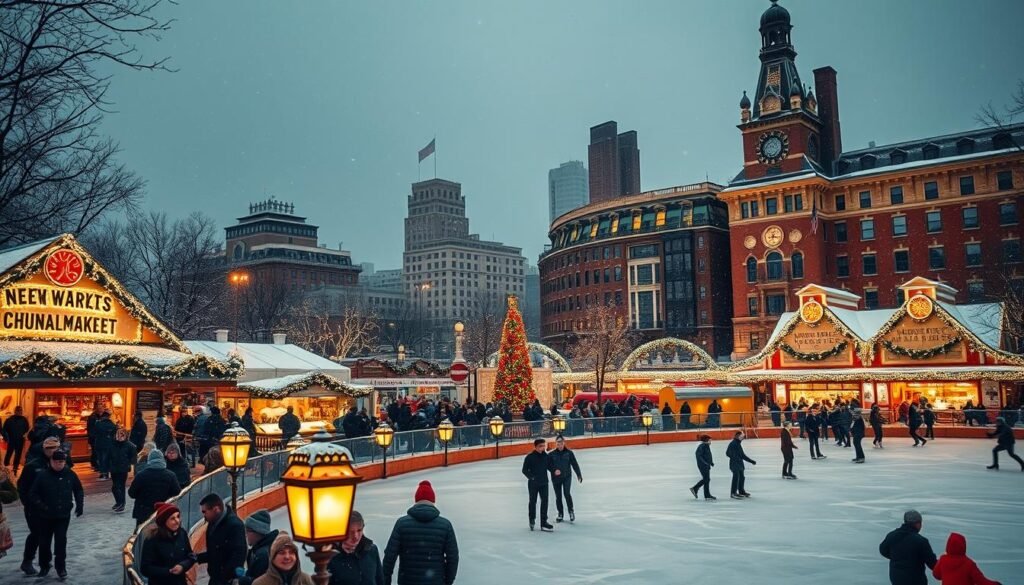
(637, 522)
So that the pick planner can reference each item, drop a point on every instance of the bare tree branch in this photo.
(604, 341)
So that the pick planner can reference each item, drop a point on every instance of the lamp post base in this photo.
(321, 557)
(234, 489)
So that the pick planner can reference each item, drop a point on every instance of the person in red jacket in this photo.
(956, 568)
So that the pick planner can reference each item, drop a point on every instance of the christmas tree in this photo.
(514, 382)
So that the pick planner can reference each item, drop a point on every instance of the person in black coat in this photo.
(876, 421)
(249, 424)
(857, 430)
(787, 451)
(259, 537)
(153, 484)
(120, 460)
(813, 422)
(562, 463)
(736, 458)
(914, 422)
(773, 407)
(705, 461)
(139, 432)
(54, 494)
(289, 425)
(668, 419)
(908, 552)
(225, 541)
(33, 466)
(714, 416)
(535, 467)
(177, 464)
(358, 560)
(103, 433)
(929, 421)
(167, 552)
(14, 430)
(424, 544)
(1004, 442)
(162, 434)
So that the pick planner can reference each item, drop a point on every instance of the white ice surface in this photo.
(638, 523)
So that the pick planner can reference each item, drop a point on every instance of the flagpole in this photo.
(433, 140)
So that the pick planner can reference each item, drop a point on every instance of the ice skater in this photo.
(563, 464)
(914, 422)
(857, 430)
(787, 451)
(812, 424)
(1004, 442)
(535, 467)
(705, 461)
(876, 425)
(929, 421)
(736, 458)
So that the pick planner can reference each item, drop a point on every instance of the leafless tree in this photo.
(990, 115)
(262, 305)
(604, 341)
(483, 330)
(57, 171)
(174, 267)
(337, 334)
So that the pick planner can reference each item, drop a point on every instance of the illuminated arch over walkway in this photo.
(660, 345)
(543, 350)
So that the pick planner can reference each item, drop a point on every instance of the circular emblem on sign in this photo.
(920, 307)
(795, 236)
(812, 312)
(749, 242)
(64, 267)
(772, 236)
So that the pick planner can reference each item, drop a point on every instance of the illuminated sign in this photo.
(64, 267)
(52, 311)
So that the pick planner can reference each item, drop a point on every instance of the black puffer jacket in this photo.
(122, 457)
(55, 494)
(1004, 434)
(426, 543)
(908, 553)
(139, 433)
(160, 555)
(153, 484)
(225, 548)
(258, 558)
(565, 461)
(361, 567)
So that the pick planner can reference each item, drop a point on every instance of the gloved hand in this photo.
(79, 512)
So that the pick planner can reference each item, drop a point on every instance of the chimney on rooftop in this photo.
(279, 338)
(220, 335)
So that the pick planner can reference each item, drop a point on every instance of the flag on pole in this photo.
(814, 214)
(427, 150)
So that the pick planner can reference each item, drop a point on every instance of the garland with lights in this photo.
(312, 379)
(788, 328)
(418, 367)
(660, 345)
(33, 264)
(514, 380)
(921, 354)
(814, 356)
(194, 366)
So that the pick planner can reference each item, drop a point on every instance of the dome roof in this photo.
(775, 15)
(745, 102)
(796, 91)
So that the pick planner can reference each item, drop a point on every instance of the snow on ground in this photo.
(638, 523)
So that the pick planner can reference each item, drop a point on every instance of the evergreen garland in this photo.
(921, 354)
(814, 356)
(196, 365)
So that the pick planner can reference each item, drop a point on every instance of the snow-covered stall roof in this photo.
(264, 361)
(79, 361)
(309, 384)
(948, 373)
(10, 257)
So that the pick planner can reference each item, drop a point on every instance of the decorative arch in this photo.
(666, 343)
(542, 349)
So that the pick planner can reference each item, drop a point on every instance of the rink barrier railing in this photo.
(263, 472)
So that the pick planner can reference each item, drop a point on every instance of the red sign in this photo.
(458, 372)
(64, 267)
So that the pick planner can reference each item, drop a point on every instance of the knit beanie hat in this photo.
(164, 511)
(59, 456)
(154, 456)
(425, 492)
(258, 522)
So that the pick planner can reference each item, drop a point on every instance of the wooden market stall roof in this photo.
(265, 361)
(308, 384)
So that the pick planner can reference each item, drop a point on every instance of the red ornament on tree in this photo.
(64, 267)
(514, 381)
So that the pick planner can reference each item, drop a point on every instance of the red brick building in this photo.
(946, 207)
(655, 256)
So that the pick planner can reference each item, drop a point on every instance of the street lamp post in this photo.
(647, 419)
(497, 425)
(445, 432)
(320, 486)
(237, 279)
(558, 424)
(234, 446)
(384, 434)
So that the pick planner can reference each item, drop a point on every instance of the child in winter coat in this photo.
(956, 568)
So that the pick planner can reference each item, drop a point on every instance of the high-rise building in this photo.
(450, 274)
(947, 208)
(567, 188)
(614, 162)
(274, 244)
(531, 304)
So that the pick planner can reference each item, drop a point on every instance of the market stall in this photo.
(74, 341)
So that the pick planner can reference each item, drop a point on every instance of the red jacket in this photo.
(956, 568)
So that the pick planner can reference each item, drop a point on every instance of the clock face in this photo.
(772, 237)
(772, 147)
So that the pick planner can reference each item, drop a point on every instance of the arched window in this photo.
(751, 270)
(239, 251)
(797, 264)
(774, 262)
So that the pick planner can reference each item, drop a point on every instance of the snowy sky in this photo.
(326, 103)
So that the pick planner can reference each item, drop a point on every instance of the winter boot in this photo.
(572, 515)
(693, 491)
(545, 527)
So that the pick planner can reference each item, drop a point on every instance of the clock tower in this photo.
(781, 126)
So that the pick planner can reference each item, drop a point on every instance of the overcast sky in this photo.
(325, 104)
